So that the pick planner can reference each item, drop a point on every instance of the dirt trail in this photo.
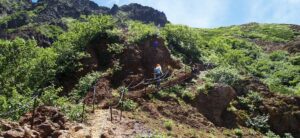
(101, 126)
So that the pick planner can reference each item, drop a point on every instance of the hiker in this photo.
(158, 74)
(155, 44)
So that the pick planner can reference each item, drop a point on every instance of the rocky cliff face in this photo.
(15, 14)
(10, 6)
(142, 13)
(56, 9)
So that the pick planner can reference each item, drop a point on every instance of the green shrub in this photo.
(295, 59)
(138, 31)
(25, 70)
(71, 46)
(188, 95)
(129, 105)
(50, 31)
(84, 85)
(271, 134)
(204, 88)
(223, 75)
(168, 124)
(50, 96)
(74, 112)
(259, 122)
(238, 132)
(279, 56)
(183, 41)
(115, 48)
(252, 100)
(288, 135)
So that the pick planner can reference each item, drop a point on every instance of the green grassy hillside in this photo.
(234, 53)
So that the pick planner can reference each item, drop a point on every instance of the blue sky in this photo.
(216, 13)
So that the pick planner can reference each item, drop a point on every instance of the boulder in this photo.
(214, 104)
(45, 129)
(13, 134)
(142, 13)
(284, 114)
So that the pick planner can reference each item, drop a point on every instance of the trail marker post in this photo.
(83, 110)
(33, 112)
(111, 117)
(94, 99)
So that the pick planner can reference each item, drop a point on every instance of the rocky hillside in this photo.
(10, 6)
(88, 72)
(46, 19)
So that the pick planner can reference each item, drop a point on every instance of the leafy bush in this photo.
(138, 31)
(50, 31)
(251, 101)
(115, 48)
(50, 96)
(223, 75)
(279, 56)
(84, 85)
(238, 132)
(25, 71)
(295, 59)
(271, 134)
(288, 135)
(259, 122)
(183, 41)
(74, 111)
(71, 45)
(205, 87)
(129, 105)
(168, 124)
(269, 32)
(25, 67)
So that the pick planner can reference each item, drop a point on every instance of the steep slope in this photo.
(56, 9)
(10, 6)
(27, 20)
(223, 82)
(142, 13)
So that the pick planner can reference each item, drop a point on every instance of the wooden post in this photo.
(94, 99)
(121, 111)
(83, 110)
(185, 69)
(33, 112)
(111, 117)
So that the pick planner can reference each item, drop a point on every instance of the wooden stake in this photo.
(111, 117)
(33, 112)
(83, 110)
(94, 99)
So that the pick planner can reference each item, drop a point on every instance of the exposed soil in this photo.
(102, 92)
(138, 61)
(293, 47)
(284, 112)
(214, 103)
(269, 46)
(101, 126)
(178, 79)
(48, 122)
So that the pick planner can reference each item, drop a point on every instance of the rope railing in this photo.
(26, 106)
(128, 87)
(150, 81)
(120, 102)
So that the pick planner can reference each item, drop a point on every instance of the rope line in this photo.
(26, 106)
